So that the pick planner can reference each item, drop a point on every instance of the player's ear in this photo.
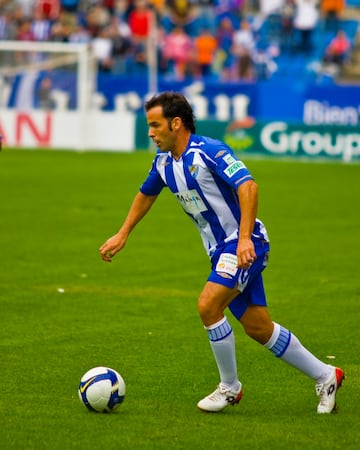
(176, 123)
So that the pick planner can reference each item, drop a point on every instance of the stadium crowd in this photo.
(227, 39)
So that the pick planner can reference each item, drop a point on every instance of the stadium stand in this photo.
(118, 29)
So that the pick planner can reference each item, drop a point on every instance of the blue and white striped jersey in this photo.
(205, 181)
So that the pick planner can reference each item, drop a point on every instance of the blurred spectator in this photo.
(96, 18)
(27, 6)
(119, 33)
(121, 9)
(180, 8)
(159, 6)
(70, 6)
(59, 32)
(243, 50)
(43, 94)
(206, 15)
(305, 22)
(232, 9)
(244, 68)
(338, 49)
(224, 57)
(50, 8)
(8, 27)
(102, 50)
(41, 26)
(109, 5)
(140, 19)
(177, 51)
(25, 32)
(270, 11)
(268, 7)
(332, 10)
(287, 13)
(264, 62)
(205, 46)
(244, 37)
(138, 63)
(18, 16)
(182, 13)
(79, 35)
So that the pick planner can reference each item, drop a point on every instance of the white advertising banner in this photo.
(68, 130)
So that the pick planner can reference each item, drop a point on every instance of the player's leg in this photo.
(223, 285)
(212, 301)
(286, 346)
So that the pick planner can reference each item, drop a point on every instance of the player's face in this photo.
(159, 130)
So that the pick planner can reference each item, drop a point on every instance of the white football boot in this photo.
(222, 397)
(327, 391)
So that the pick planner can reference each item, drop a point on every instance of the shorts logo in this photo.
(227, 264)
(224, 275)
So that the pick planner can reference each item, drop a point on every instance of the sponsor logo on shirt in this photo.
(233, 168)
(229, 159)
(191, 201)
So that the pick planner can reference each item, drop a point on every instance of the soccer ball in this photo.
(102, 389)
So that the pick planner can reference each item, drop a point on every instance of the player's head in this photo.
(173, 105)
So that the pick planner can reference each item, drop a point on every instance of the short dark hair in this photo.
(174, 104)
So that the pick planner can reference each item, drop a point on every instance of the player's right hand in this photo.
(109, 249)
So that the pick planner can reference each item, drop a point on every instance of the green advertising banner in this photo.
(283, 139)
(276, 138)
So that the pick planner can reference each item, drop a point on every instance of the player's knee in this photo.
(208, 311)
(204, 308)
(260, 332)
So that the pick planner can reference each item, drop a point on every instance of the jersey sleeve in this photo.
(153, 184)
(223, 161)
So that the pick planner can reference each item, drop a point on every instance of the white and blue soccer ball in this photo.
(102, 389)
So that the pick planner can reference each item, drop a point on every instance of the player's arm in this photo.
(248, 199)
(140, 206)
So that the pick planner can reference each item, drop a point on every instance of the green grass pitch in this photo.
(139, 316)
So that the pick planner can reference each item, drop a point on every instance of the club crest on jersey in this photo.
(194, 170)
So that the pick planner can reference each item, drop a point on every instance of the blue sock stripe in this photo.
(220, 332)
(282, 343)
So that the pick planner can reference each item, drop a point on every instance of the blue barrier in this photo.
(289, 98)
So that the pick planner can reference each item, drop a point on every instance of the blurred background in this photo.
(88, 66)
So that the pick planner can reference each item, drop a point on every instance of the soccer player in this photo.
(218, 193)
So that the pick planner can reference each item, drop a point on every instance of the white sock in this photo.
(222, 342)
(287, 347)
